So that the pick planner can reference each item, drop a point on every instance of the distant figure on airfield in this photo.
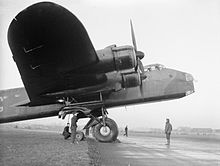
(66, 132)
(74, 120)
(168, 129)
(126, 131)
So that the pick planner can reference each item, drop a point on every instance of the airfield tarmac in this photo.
(31, 147)
(150, 150)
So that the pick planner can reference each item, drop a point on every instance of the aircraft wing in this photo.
(50, 46)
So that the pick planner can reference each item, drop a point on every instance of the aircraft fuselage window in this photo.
(153, 67)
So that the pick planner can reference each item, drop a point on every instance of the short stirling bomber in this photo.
(63, 74)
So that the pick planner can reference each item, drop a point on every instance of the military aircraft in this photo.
(64, 74)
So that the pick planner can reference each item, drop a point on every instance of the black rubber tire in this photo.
(79, 135)
(113, 134)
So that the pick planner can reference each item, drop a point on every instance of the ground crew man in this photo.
(168, 129)
(126, 131)
(74, 120)
(66, 132)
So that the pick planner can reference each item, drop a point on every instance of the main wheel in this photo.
(108, 133)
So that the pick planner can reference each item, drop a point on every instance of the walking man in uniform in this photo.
(168, 129)
(74, 120)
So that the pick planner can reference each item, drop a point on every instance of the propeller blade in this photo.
(133, 37)
(141, 89)
(139, 55)
(140, 65)
(142, 75)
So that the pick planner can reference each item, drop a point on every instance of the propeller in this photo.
(139, 56)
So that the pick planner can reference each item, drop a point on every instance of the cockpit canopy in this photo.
(153, 67)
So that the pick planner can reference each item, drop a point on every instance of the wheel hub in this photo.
(105, 130)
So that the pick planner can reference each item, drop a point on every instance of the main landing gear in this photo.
(103, 128)
(105, 132)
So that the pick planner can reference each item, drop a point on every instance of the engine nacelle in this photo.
(124, 58)
(115, 58)
(131, 79)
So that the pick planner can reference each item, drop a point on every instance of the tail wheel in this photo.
(108, 133)
(79, 136)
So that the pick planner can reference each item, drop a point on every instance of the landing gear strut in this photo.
(104, 129)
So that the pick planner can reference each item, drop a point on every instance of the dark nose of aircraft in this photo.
(184, 82)
(189, 83)
(180, 83)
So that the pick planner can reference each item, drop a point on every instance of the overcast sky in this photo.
(180, 34)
